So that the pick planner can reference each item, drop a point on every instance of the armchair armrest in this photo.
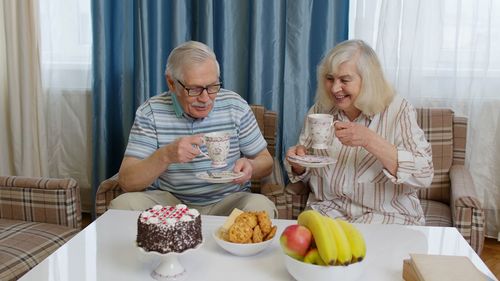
(467, 212)
(299, 191)
(44, 200)
(107, 191)
(463, 193)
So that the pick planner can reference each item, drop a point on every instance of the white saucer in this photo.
(220, 177)
(312, 161)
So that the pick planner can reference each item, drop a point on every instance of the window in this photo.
(66, 43)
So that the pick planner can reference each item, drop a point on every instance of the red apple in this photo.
(295, 241)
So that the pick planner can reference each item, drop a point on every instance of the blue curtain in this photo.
(268, 52)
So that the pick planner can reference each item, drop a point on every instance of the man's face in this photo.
(198, 75)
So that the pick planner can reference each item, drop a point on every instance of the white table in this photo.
(106, 250)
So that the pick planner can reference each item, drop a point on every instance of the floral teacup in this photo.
(217, 144)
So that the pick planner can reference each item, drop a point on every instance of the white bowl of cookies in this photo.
(245, 233)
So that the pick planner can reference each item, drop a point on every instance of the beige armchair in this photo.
(272, 186)
(451, 200)
(37, 216)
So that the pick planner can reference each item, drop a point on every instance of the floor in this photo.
(490, 254)
(86, 219)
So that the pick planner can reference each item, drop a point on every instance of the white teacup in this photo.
(320, 126)
(217, 144)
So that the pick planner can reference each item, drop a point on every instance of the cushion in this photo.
(436, 213)
(459, 139)
(25, 244)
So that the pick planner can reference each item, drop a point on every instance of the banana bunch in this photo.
(336, 242)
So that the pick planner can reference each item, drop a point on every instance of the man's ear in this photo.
(170, 83)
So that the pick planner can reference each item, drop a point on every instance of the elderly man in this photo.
(163, 158)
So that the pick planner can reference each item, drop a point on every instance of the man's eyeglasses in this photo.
(196, 91)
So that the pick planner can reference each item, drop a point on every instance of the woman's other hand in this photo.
(298, 150)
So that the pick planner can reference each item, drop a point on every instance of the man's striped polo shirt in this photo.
(160, 121)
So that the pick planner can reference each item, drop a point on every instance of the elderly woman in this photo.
(383, 158)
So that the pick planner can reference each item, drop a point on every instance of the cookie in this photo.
(271, 233)
(264, 222)
(257, 235)
(240, 232)
(248, 218)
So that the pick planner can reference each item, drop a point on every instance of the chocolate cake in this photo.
(166, 229)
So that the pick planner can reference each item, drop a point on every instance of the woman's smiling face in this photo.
(344, 86)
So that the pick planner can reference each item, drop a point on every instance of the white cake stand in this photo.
(169, 269)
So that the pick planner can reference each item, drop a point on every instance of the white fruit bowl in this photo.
(306, 272)
(241, 249)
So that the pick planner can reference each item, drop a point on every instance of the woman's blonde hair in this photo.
(186, 54)
(375, 93)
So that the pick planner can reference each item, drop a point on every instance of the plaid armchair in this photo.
(37, 216)
(272, 186)
(451, 199)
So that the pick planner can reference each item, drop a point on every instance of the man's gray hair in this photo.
(190, 52)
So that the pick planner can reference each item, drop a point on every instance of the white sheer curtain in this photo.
(5, 169)
(45, 103)
(23, 146)
(66, 44)
(445, 54)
